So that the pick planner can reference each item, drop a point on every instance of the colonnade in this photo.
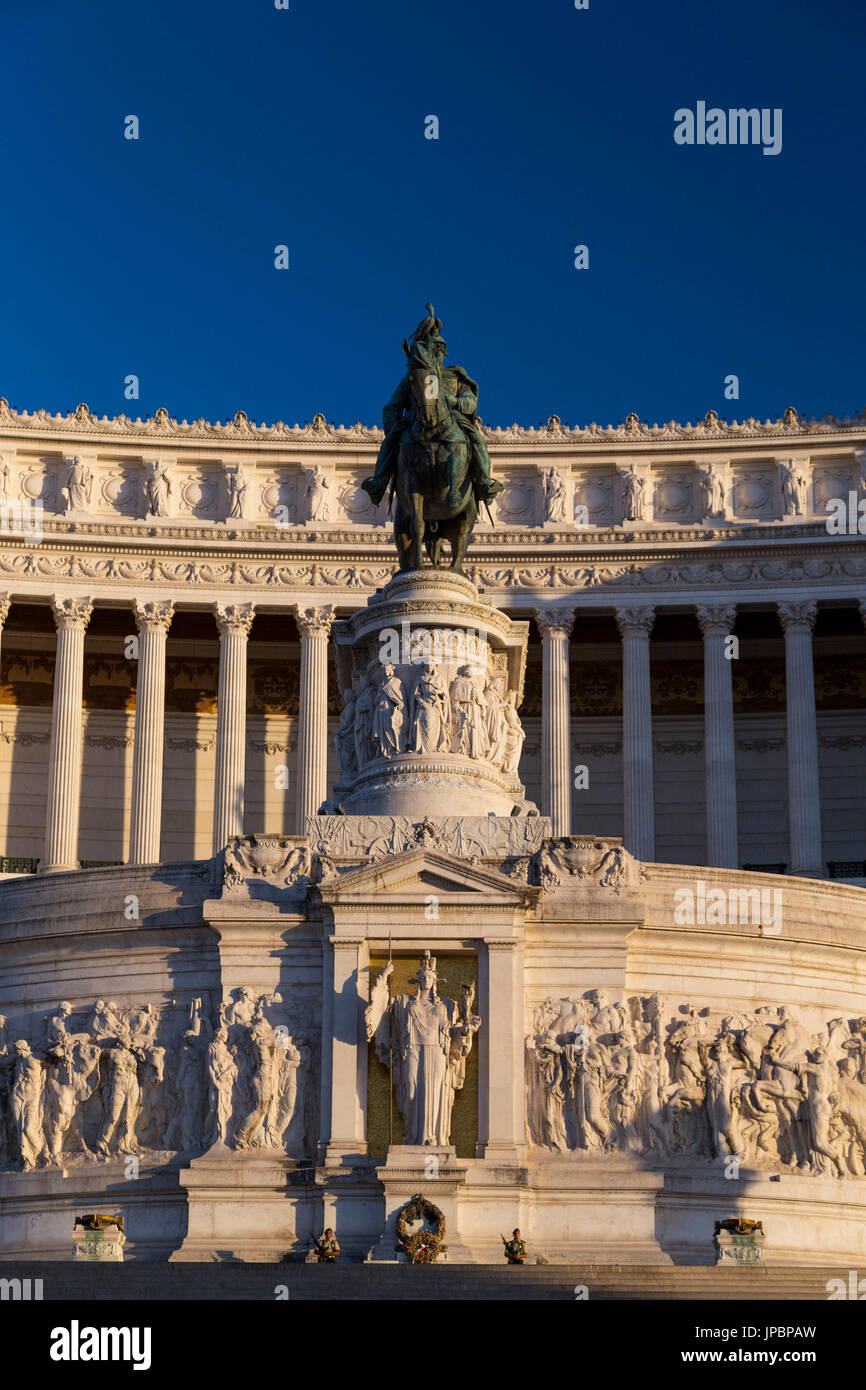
(555, 623)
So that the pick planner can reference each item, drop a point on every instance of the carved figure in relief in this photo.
(123, 1100)
(820, 1078)
(71, 1078)
(318, 494)
(261, 1082)
(427, 1039)
(720, 1065)
(6, 1066)
(364, 721)
(284, 1099)
(712, 492)
(554, 496)
(221, 1072)
(158, 488)
(344, 738)
(430, 712)
(79, 485)
(496, 722)
(515, 736)
(634, 493)
(155, 1111)
(189, 1091)
(389, 715)
(467, 704)
(793, 487)
(236, 490)
(106, 1022)
(26, 1104)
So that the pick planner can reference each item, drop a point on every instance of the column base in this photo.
(345, 1153)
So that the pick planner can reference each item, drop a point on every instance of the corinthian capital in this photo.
(152, 616)
(635, 622)
(554, 621)
(315, 622)
(71, 614)
(798, 617)
(234, 619)
(5, 601)
(716, 620)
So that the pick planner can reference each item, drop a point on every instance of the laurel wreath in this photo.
(422, 1247)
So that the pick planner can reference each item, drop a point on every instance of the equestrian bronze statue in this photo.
(433, 456)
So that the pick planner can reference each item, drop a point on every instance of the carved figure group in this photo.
(108, 1086)
(635, 1078)
(423, 713)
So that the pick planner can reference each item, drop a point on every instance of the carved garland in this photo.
(422, 1247)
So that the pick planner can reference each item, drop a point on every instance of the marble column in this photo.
(805, 854)
(234, 622)
(153, 621)
(555, 626)
(716, 623)
(635, 626)
(5, 604)
(501, 1083)
(71, 616)
(314, 625)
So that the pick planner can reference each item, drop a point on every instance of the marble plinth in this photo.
(406, 751)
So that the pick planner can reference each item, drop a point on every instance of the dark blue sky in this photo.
(306, 127)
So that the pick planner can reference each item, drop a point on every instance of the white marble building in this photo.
(691, 758)
(692, 688)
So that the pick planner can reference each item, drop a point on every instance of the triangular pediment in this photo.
(412, 875)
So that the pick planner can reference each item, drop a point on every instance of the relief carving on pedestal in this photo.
(416, 709)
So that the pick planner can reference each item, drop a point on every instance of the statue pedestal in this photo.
(238, 1208)
(104, 1245)
(407, 751)
(433, 1172)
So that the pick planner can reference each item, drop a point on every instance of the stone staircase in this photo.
(140, 1281)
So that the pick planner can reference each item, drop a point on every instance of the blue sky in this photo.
(305, 127)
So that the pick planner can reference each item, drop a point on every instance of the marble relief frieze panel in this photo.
(675, 495)
(754, 491)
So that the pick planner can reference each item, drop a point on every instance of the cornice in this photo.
(166, 429)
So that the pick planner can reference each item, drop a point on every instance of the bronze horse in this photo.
(433, 461)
